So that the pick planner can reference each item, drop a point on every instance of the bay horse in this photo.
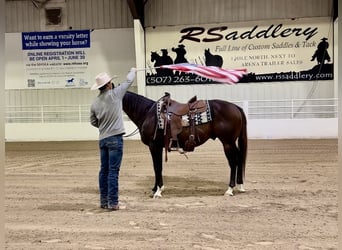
(228, 124)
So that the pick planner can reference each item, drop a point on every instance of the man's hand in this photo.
(131, 75)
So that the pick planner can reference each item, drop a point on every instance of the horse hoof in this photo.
(229, 192)
(158, 194)
(241, 189)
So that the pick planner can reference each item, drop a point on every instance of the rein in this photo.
(136, 131)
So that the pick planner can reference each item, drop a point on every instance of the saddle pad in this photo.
(199, 118)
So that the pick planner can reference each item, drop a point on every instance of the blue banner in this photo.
(56, 39)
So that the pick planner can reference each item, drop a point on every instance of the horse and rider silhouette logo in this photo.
(322, 57)
(321, 54)
(165, 59)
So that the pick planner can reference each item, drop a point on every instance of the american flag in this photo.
(214, 73)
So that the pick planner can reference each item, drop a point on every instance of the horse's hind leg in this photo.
(231, 153)
(239, 177)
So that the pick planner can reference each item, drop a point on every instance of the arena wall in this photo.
(257, 129)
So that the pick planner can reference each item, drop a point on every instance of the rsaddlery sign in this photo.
(274, 50)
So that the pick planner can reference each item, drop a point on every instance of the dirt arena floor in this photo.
(52, 199)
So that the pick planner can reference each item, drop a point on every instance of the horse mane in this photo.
(140, 102)
(136, 106)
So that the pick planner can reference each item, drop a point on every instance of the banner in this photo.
(274, 50)
(56, 59)
(67, 59)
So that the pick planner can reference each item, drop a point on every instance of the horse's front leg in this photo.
(157, 158)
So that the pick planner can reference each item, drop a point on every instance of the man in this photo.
(106, 114)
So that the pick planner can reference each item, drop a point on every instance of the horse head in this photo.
(207, 52)
(154, 56)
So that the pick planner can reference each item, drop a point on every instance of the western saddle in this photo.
(172, 112)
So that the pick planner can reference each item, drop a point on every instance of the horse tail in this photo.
(243, 143)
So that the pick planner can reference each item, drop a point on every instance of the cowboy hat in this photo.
(101, 80)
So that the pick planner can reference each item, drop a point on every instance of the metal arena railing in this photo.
(292, 109)
(257, 109)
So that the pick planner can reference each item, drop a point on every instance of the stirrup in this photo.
(176, 147)
(173, 145)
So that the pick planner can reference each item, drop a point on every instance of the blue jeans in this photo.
(111, 150)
